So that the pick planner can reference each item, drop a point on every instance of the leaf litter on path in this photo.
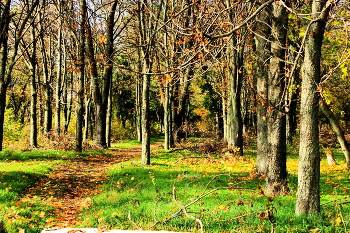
(68, 187)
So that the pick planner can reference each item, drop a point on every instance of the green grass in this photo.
(17, 211)
(19, 171)
(146, 192)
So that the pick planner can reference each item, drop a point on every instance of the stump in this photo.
(330, 158)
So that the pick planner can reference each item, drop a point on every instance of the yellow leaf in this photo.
(315, 230)
(338, 221)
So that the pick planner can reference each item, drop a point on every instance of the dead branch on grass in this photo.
(336, 200)
(183, 208)
(134, 223)
(192, 157)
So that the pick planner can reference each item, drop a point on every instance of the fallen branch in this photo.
(192, 157)
(196, 200)
(183, 208)
(336, 200)
(134, 223)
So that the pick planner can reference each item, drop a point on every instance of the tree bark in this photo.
(33, 92)
(59, 73)
(308, 196)
(4, 28)
(235, 74)
(100, 95)
(109, 117)
(81, 79)
(276, 173)
(337, 129)
(263, 53)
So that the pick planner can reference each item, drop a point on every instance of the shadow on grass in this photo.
(43, 155)
(18, 181)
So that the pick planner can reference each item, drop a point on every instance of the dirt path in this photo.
(69, 186)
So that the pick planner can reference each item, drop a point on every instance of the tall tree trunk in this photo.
(67, 106)
(224, 116)
(168, 132)
(4, 82)
(109, 117)
(33, 92)
(262, 53)
(7, 63)
(138, 107)
(59, 73)
(100, 95)
(337, 129)
(146, 153)
(308, 197)
(47, 80)
(81, 79)
(276, 173)
(234, 116)
(235, 74)
(87, 118)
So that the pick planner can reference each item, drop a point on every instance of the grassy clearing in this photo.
(224, 193)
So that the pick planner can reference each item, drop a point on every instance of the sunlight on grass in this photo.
(224, 193)
(127, 144)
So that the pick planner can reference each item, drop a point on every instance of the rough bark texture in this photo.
(276, 173)
(168, 142)
(146, 153)
(308, 197)
(80, 88)
(59, 76)
(338, 131)
(4, 27)
(235, 74)
(109, 118)
(33, 93)
(263, 52)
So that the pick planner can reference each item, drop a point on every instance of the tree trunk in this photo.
(138, 108)
(338, 131)
(276, 172)
(168, 133)
(81, 79)
(146, 153)
(109, 117)
(235, 74)
(87, 118)
(4, 28)
(308, 196)
(59, 74)
(235, 123)
(262, 54)
(33, 92)
(67, 106)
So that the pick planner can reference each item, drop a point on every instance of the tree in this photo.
(7, 62)
(81, 79)
(276, 173)
(262, 34)
(308, 197)
(337, 129)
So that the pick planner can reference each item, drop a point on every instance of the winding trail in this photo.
(69, 186)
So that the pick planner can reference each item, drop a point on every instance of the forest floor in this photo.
(69, 187)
